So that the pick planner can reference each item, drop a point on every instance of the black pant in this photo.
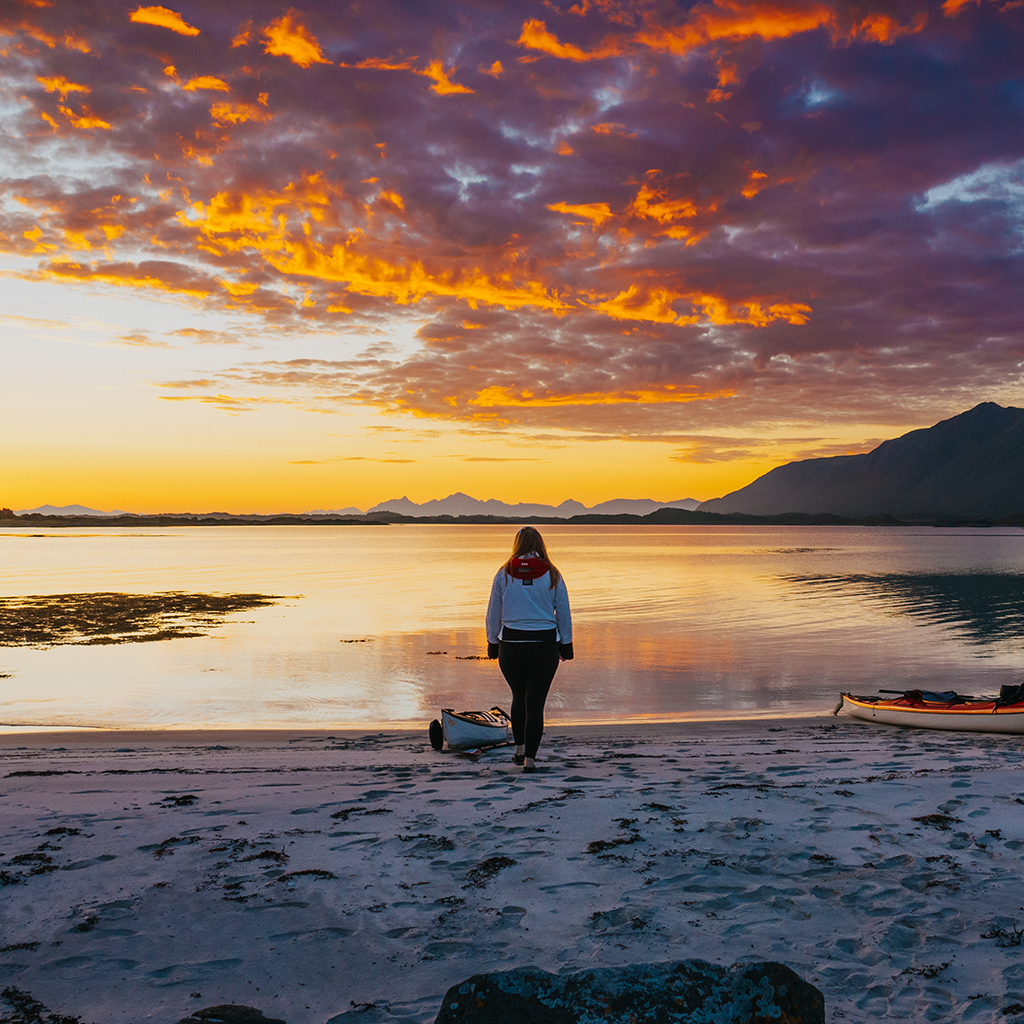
(528, 668)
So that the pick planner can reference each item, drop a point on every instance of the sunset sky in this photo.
(266, 258)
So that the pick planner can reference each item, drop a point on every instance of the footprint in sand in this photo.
(79, 865)
(73, 968)
(182, 974)
(316, 935)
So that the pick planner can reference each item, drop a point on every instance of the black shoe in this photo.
(518, 759)
(529, 768)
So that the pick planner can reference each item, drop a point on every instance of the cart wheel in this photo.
(436, 735)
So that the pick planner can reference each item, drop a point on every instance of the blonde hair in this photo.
(529, 541)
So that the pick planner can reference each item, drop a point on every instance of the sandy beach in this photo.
(148, 875)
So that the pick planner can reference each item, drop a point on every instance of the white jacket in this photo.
(518, 605)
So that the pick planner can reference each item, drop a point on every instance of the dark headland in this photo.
(970, 466)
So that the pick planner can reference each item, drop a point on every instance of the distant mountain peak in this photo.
(67, 510)
(350, 511)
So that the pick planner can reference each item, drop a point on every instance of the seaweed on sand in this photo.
(30, 1011)
(49, 620)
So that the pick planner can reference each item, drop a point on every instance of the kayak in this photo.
(929, 710)
(470, 730)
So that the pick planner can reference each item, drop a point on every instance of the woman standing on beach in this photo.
(529, 629)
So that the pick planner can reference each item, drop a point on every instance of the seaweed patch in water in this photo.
(107, 618)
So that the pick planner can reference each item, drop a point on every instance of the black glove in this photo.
(492, 650)
(565, 652)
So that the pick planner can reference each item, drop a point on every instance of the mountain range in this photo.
(969, 465)
(454, 505)
(460, 504)
(67, 510)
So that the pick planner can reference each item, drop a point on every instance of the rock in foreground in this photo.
(229, 1013)
(683, 991)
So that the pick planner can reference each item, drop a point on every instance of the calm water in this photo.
(671, 622)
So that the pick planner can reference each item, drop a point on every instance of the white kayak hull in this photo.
(475, 730)
(1002, 720)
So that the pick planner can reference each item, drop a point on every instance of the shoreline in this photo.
(410, 731)
(308, 873)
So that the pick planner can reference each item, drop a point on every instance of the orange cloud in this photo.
(33, 236)
(718, 311)
(535, 36)
(87, 119)
(164, 18)
(735, 20)
(244, 36)
(69, 40)
(123, 275)
(880, 28)
(60, 84)
(288, 37)
(727, 21)
(408, 283)
(597, 213)
(203, 336)
(139, 339)
(442, 83)
(207, 82)
(76, 240)
(494, 397)
(754, 184)
(225, 402)
(728, 73)
(73, 42)
(254, 216)
(653, 203)
(384, 64)
(239, 222)
(656, 306)
(239, 287)
(238, 113)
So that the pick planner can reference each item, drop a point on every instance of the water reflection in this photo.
(670, 622)
(979, 608)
